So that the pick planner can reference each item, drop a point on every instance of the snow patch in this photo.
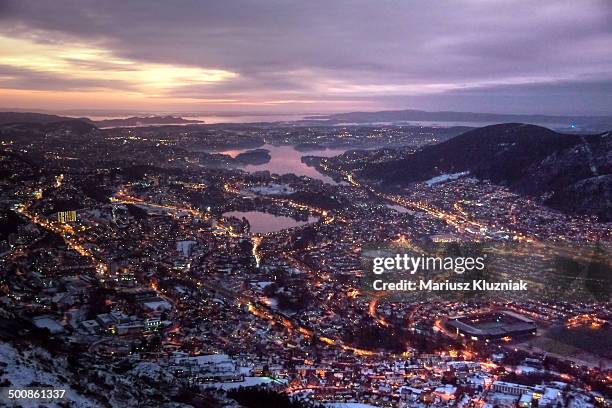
(445, 177)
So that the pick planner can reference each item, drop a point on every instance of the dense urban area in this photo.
(217, 265)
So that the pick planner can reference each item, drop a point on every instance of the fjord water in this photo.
(263, 223)
(285, 159)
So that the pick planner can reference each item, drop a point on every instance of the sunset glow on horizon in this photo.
(94, 72)
(316, 57)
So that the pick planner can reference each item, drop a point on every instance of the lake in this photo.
(263, 223)
(285, 159)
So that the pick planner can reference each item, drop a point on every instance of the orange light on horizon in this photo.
(100, 68)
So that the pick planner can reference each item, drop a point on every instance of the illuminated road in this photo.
(264, 312)
(460, 221)
(122, 197)
(325, 216)
(372, 311)
(256, 241)
(255, 307)
(63, 230)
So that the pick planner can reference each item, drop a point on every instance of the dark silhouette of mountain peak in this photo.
(529, 159)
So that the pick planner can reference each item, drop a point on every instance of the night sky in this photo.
(552, 57)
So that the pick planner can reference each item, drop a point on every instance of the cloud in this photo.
(80, 66)
(345, 51)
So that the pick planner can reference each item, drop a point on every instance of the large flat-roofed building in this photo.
(492, 325)
(511, 388)
(444, 238)
(66, 216)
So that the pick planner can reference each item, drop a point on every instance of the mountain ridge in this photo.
(596, 122)
(46, 119)
(529, 159)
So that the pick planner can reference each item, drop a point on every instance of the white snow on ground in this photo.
(275, 189)
(248, 382)
(445, 177)
(349, 405)
(47, 322)
(261, 285)
(40, 367)
(151, 371)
